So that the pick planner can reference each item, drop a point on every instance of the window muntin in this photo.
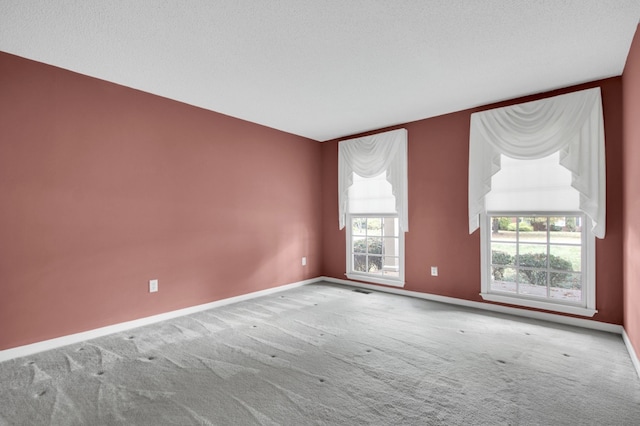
(375, 248)
(539, 260)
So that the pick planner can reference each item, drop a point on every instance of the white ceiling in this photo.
(333, 68)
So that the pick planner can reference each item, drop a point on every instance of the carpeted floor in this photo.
(325, 354)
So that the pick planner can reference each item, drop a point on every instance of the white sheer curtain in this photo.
(570, 124)
(369, 157)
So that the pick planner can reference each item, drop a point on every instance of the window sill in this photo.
(375, 280)
(538, 304)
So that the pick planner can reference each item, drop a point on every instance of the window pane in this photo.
(503, 279)
(374, 245)
(358, 226)
(506, 248)
(524, 224)
(539, 223)
(534, 255)
(391, 262)
(374, 226)
(391, 246)
(390, 226)
(568, 287)
(534, 277)
(565, 258)
(533, 282)
(374, 265)
(391, 266)
(503, 228)
(359, 245)
(533, 229)
(503, 257)
(360, 263)
(566, 230)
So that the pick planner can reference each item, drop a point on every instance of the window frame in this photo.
(365, 276)
(588, 304)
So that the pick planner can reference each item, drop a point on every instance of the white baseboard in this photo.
(578, 322)
(70, 339)
(632, 352)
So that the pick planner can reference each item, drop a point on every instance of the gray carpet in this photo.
(324, 354)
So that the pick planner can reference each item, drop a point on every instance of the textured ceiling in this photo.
(327, 69)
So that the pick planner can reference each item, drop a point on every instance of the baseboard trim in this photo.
(45, 345)
(632, 352)
(544, 316)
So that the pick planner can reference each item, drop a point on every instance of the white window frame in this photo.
(586, 308)
(367, 277)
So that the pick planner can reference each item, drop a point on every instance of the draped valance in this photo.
(369, 156)
(571, 124)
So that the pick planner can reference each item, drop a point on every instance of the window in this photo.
(537, 193)
(374, 246)
(541, 261)
(535, 241)
(372, 185)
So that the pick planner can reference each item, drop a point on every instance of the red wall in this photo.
(631, 211)
(438, 173)
(104, 187)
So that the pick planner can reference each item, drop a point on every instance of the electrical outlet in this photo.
(434, 271)
(304, 261)
(153, 286)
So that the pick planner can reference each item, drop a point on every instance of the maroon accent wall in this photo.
(631, 210)
(438, 173)
(104, 188)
